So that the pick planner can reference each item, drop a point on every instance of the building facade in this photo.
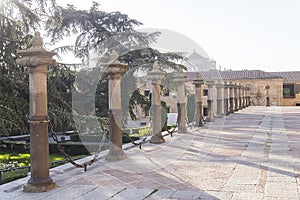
(290, 88)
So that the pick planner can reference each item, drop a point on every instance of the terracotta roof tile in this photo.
(293, 76)
(233, 75)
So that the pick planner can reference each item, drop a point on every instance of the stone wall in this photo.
(258, 91)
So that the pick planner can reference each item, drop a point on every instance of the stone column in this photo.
(210, 101)
(235, 88)
(240, 96)
(156, 76)
(219, 87)
(180, 79)
(244, 95)
(267, 95)
(226, 107)
(37, 59)
(198, 82)
(114, 69)
(231, 95)
(247, 96)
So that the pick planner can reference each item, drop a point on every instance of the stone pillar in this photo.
(244, 95)
(210, 101)
(267, 95)
(240, 96)
(180, 79)
(219, 87)
(226, 107)
(247, 96)
(37, 59)
(231, 95)
(198, 82)
(114, 69)
(156, 76)
(235, 88)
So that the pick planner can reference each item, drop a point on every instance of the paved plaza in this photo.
(251, 154)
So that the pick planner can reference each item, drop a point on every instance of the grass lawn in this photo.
(23, 159)
(10, 159)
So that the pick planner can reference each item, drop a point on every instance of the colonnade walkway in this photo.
(251, 154)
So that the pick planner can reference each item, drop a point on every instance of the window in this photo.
(167, 92)
(146, 93)
(288, 91)
(164, 90)
(205, 92)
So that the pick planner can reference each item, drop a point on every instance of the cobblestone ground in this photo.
(252, 154)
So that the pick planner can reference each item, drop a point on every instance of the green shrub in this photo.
(9, 176)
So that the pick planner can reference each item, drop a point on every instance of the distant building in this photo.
(197, 62)
(284, 87)
(291, 87)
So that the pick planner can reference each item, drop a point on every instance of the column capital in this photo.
(156, 75)
(235, 86)
(239, 86)
(226, 85)
(210, 83)
(114, 68)
(198, 83)
(198, 80)
(220, 85)
(231, 85)
(179, 77)
(36, 55)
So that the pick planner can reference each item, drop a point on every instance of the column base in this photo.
(210, 119)
(39, 187)
(219, 116)
(157, 139)
(115, 155)
(182, 130)
(200, 123)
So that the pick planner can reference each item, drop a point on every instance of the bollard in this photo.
(156, 76)
(198, 82)
(267, 95)
(219, 87)
(180, 79)
(115, 69)
(210, 101)
(37, 59)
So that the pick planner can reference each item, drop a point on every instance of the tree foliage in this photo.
(18, 19)
(96, 31)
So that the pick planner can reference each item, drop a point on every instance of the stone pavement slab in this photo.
(251, 154)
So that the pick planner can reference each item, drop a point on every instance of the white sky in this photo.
(238, 34)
